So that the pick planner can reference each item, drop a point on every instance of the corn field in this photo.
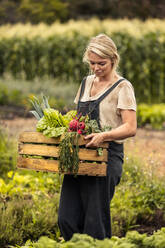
(56, 51)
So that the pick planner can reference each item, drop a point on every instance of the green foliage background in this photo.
(29, 204)
(60, 56)
(132, 240)
(29, 200)
(14, 11)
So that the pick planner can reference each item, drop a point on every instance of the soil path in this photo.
(148, 145)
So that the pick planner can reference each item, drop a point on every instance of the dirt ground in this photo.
(148, 145)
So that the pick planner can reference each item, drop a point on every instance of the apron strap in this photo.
(81, 91)
(96, 102)
(109, 90)
(82, 87)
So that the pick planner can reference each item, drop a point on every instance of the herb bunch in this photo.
(68, 153)
(69, 126)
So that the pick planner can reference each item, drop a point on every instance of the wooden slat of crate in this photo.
(53, 151)
(35, 143)
(36, 137)
(90, 169)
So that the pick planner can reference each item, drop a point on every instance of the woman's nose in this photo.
(96, 67)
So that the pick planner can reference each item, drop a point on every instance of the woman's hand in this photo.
(127, 129)
(96, 139)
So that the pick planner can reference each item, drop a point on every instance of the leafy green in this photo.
(41, 124)
(52, 117)
(54, 131)
(106, 128)
(53, 123)
(100, 151)
(70, 115)
(132, 240)
(91, 126)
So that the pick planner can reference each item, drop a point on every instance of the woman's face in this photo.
(100, 67)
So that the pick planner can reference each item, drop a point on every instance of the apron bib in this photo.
(85, 200)
(92, 109)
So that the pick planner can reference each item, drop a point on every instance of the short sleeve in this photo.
(126, 97)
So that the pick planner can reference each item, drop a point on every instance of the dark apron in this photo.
(85, 200)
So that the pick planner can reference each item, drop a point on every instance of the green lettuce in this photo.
(54, 131)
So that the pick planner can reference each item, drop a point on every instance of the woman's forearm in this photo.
(127, 129)
(124, 131)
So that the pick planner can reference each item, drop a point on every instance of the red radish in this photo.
(79, 131)
(81, 125)
(73, 125)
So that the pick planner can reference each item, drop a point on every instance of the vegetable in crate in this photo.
(39, 107)
(68, 154)
(53, 124)
(50, 121)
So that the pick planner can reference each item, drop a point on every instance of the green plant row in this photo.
(152, 115)
(7, 153)
(10, 97)
(139, 198)
(89, 27)
(23, 218)
(33, 198)
(56, 56)
(60, 56)
(16, 94)
(28, 206)
(132, 240)
(147, 114)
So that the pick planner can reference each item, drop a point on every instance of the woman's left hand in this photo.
(96, 139)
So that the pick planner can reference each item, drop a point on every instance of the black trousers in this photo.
(85, 200)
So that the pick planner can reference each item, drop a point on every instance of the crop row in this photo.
(153, 115)
(60, 56)
(16, 94)
(132, 240)
(134, 27)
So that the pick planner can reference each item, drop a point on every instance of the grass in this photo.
(60, 93)
(139, 200)
(7, 152)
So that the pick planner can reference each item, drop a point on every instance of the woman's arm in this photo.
(127, 129)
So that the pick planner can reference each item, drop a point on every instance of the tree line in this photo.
(48, 11)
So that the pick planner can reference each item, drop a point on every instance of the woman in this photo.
(108, 98)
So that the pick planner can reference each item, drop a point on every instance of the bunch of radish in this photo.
(76, 125)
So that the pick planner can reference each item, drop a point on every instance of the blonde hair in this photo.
(103, 46)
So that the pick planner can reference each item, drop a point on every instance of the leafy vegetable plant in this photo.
(69, 126)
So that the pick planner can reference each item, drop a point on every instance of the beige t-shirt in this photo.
(122, 97)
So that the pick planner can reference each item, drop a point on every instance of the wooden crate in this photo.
(36, 144)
